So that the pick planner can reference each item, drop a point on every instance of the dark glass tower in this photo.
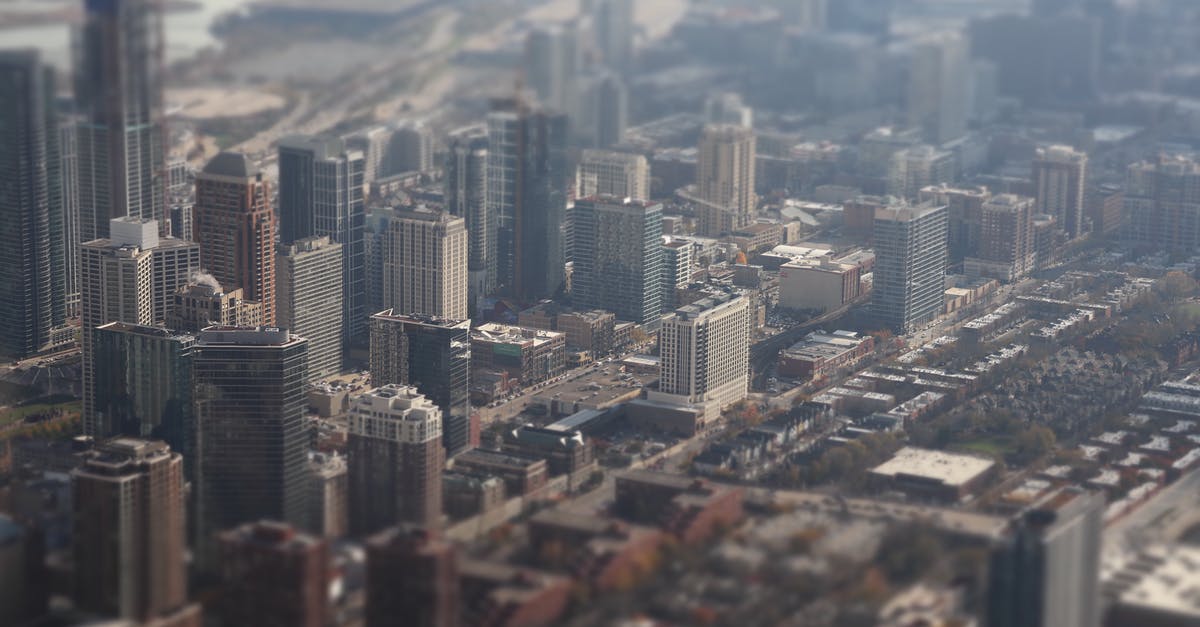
(250, 411)
(618, 258)
(30, 204)
(119, 91)
(143, 386)
(466, 197)
(321, 194)
(432, 355)
(527, 179)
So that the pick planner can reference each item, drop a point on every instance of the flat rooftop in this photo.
(1171, 584)
(948, 468)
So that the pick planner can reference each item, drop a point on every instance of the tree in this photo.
(1176, 286)
(1034, 443)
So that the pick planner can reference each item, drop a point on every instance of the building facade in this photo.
(1162, 200)
(910, 265)
(705, 350)
(1059, 181)
(235, 225)
(414, 574)
(725, 171)
(395, 459)
(1006, 246)
(273, 574)
(466, 197)
(617, 174)
(618, 258)
(309, 270)
(424, 264)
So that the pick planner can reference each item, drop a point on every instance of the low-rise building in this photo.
(529, 355)
(923, 473)
(523, 475)
(820, 354)
(818, 284)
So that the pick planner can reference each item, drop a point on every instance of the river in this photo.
(187, 30)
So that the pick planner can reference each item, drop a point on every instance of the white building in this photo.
(818, 284)
(424, 264)
(619, 174)
(705, 350)
(308, 272)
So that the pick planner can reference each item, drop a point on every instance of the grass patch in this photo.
(13, 415)
(999, 446)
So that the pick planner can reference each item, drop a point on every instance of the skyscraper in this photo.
(395, 460)
(527, 180)
(30, 200)
(1006, 250)
(250, 415)
(618, 258)
(1046, 571)
(910, 264)
(321, 194)
(603, 110)
(143, 386)
(964, 206)
(129, 535)
(424, 257)
(466, 197)
(614, 26)
(553, 60)
(1059, 180)
(1162, 200)
(309, 270)
(410, 149)
(706, 353)
(725, 174)
(412, 573)
(915, 168)
(274, 575)
(939, 86)
(235, 226)
(618, 174)
(433, 355)
(122, 138)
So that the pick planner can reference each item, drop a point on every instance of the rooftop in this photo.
(949, 468)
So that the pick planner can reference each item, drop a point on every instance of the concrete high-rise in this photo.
(309, 270)
(1162, 200)
(965, 215)
(32, 293)
(1046, 570)
(250, 415)
(939, 86)
(553, 60)
(424, 264)
(129, 533)
(321, 194)
(915, 168)
(433, 355)
(142, 386)
(618, 258)
(527, 181)
(273, 574)
(617, 174)
(725, 173)
(395, 460)
(614, 28)
(705, 350)
(203, 304)
(410, 149)
(466, 197)
(910, 265)
(122, 138)
(728, 108)
(412, 573)
(1006, 247)
(603, 110)
(130, 278)
(235, 226)
(374, 144)
(1059, 182)
(677, 269)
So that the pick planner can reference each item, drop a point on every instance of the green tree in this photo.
(1034, 443)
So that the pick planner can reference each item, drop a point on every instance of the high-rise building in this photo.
(1006, 247)
(70, 237)
(913, 169)
(527, 180)
(728, 108)
(122, 138)
(466, 197)
(910, 264)
(204, 304)
(965, 216)
(24, 593)
(614, 30)
(309, 270)
(1059, 181)
(424, 261)
(235, 226)
(32, 292)
(1046, 570)
(939, 86)
(618, 174)
(705, 350)
(321, 194)
(553, 60)
(1162, 200)
(603, 110)
(250, 415)
(129, 532)
(412, 573)
(395, 460)
(374, 143)
(677, 269)
(274, 575)
(142, 386)
(328, 495)
(410, 149)
(433, 355)
(725, 172)
(618, 258)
